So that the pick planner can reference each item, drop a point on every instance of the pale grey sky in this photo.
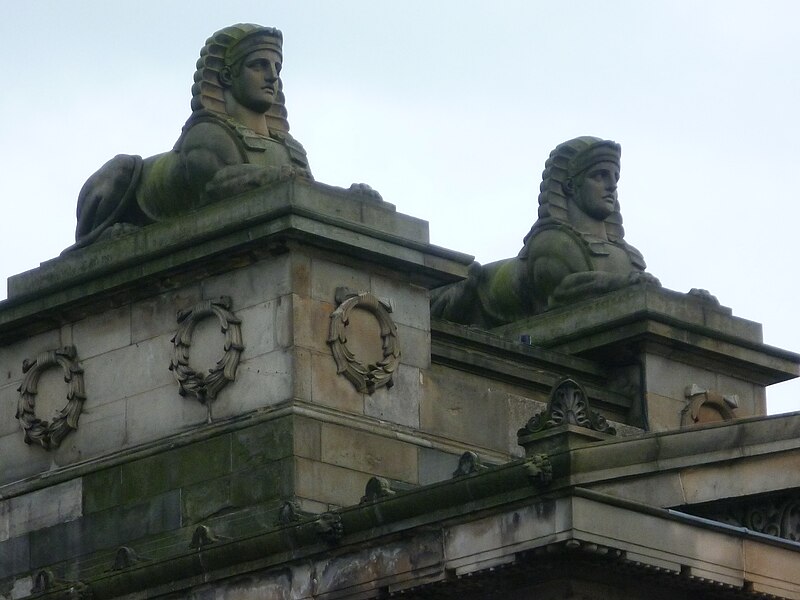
(449, 109)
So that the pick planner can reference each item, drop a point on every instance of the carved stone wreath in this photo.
(206, 387)
(370, 377)
(50, 434)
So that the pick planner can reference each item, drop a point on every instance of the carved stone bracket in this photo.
(540, 469)
(49, 434)
(469, 463)
(206, 387)
(377, 488)
(370, 377)
(329, 527)
(568, 405)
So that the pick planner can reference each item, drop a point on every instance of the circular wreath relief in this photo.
(49, 434)
(206, 387)
(366, 378)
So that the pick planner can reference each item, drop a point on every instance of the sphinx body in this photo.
(575, 250)
(237, 138)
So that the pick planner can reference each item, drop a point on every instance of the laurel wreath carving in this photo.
(38, 431)
(191, 383)
(370, 377)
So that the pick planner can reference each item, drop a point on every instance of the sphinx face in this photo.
(597, 195)
(256, 85)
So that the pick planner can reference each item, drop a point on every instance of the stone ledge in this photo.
(221, 237)
(616, 327)
(484, 353)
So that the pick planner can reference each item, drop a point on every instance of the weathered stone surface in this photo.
(40, 509)
(326, 276)
(371, 454)
(253, 284)
(153, 317)
(399, 403)
(99, 334)
(330, 388)
(461, 407)
(262, 443)
(435, 465)
(329, 483)
(9, 397)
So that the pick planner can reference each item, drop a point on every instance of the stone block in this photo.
(172, 469)
(399, 403)
(258, 328)
(740, 478)
(21, 460)
(42, 508)
(101, 333)
(54, 544)
(664, 413)
(272, 481)
(520, 410)
(381, 217)
(669, 378)
(157, 316)
(156, 414)
(435, 465)
(329, 484)
(301, 274)
(372, 454)
(301, 374)
(459, 406)
(752, 397)
(410, 303)
(102, 489)
(332, 389)
(12, 355)
(9, 398)
(265, 442)
(662, 489)
(202, 500)
(311, 323)
(254, 284)
(262, 381)
(284, 321)
(307, 437)
(106, 529)
(21, 588)
(326, 276)
(95, 435)
(415, 346)
(128, 371)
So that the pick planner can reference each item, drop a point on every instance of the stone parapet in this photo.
(681, 344)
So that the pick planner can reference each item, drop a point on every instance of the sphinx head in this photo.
(243, 62)
(583, 171)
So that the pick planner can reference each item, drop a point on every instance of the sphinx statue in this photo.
(575, 249)
(236, 139)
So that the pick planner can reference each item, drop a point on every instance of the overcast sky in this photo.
(449, 109)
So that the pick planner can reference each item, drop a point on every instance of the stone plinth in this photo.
(678, 342)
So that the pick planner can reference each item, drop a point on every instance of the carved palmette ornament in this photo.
(568, 405)
(370, 377)
(777, 516)
(206, 387)
(38, 431)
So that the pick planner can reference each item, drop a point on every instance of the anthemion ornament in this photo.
(206, 387)
(49, 434)
(365, 377)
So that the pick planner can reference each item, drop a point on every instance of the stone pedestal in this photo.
(667, 347)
